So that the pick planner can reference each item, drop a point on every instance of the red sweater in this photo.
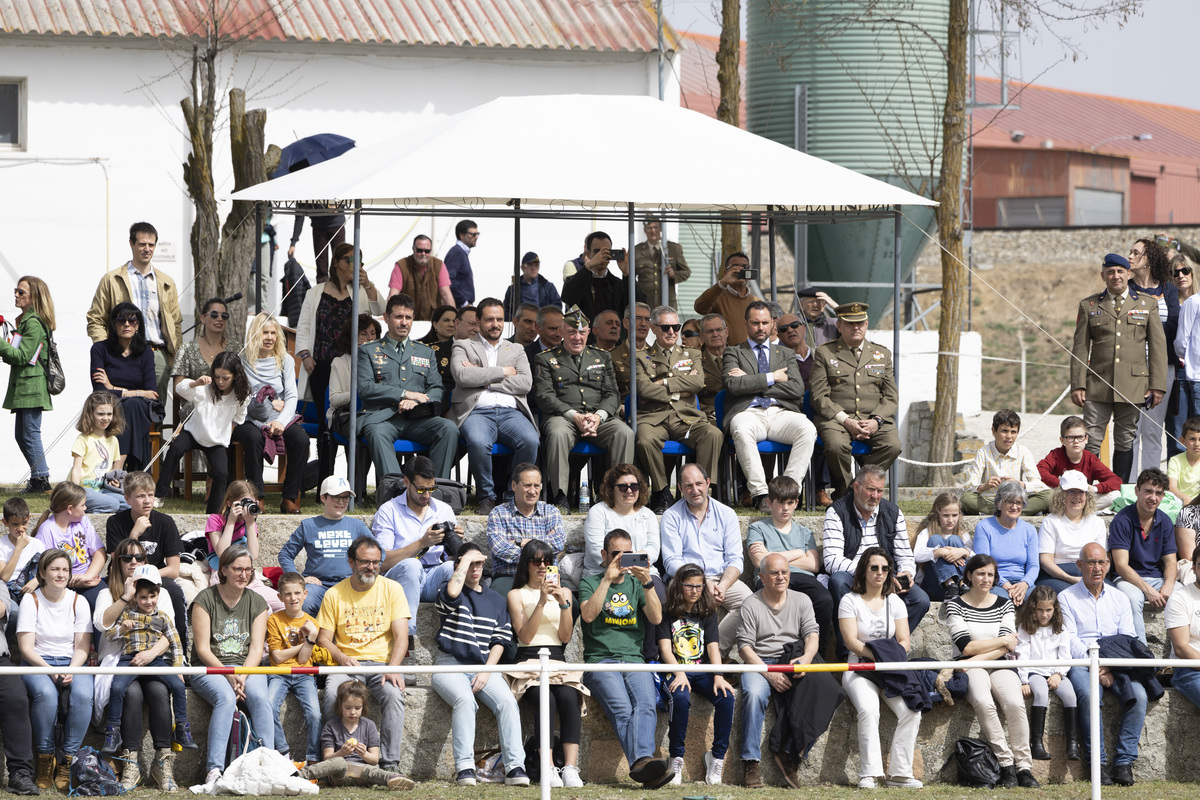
(1056, 463)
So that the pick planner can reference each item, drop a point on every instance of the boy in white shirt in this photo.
(1002, 459)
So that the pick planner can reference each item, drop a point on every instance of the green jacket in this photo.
(26, 382)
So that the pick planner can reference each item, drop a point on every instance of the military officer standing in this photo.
(401, 393)
(854, 397)
(647, 259)
(1109, 380)
(576, 390)
(668, 379)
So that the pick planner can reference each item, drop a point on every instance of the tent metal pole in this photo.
(258, 230)
(631, 313)
(771, 253)
(511, 313)
(352, 435)
(893, 473)
(664, 297)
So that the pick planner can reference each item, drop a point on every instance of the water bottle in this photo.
(585, 501)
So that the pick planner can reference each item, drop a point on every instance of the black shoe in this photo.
(1026, 780)
(22, 783)
(1105, 777)
(661, 501)
(1071, 731)
(647, 770)
(952, 589)
(1008, 777)
(37, 486)
(1122, 774)
(516, 777)
(1037, 729)
(485, 506)
(112, 741)
(760, 504)
(183, 736)
(560, 502)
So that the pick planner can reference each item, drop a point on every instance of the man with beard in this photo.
(423, 277)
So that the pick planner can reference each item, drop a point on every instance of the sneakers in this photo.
(400, 783)
(571, 778)
(712, 769)
(866, 783)
(159, 502)
(903, 783)
(466, 777)
(162, 771)
(112, 740)
(37, 486)
(516, 777)
(21, 783)
(556, 781)
(213, 776)
(131, 771)
(183, 736)
(677, 768)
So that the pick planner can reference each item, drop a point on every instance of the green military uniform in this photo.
(713, 383)
(647, 261)
(564, 385)
(859, 386)
(667, 384)
(386, 370)
(1124, 350)
(441, 351)
(621, 367)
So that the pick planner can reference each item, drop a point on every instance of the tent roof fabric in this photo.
(589, 153)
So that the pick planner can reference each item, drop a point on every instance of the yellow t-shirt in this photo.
(99, 455)
(284, 633)
(362, 621)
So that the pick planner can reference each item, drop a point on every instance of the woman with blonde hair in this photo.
(28, 394)
(272, 413)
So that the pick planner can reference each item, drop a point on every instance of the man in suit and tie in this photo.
(648, 264)
(401, 394)
(1106, 382)
(668, 378)
(458, 262)
(492, 377)
(764, 395)
(855, 398)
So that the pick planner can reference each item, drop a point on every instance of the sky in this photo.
(1137, 61)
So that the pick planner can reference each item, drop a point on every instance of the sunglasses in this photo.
(1183, 271)
(425, 251)
(628, 487)
(676, 327)
(691, 334)
(790, 325)
(129, 558)
(877, 568)
(127, 321)
(22, 292)
(419, 490)
(218, 315)
(548, 562)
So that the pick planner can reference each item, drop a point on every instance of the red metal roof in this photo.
(1081, 121)
(596, 25)
(698, 76)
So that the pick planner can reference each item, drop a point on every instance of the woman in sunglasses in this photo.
(1151, 268)
(124, 365)
(1183, 392)
(195, 358)
(128, 555)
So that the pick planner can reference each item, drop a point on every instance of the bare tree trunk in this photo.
(199, 111)
(950, 235)
(729, 81)
(239, 236)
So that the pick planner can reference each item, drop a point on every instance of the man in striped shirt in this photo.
(475, 629)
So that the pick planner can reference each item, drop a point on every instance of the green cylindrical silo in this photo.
(875, 74)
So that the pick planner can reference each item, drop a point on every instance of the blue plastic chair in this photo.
(404, 447)
(857, 449)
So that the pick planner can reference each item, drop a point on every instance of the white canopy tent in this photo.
(587, 156)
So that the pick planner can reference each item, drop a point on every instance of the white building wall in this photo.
(106, 141)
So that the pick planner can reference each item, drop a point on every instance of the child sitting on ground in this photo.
(291, 636)
(350, 746)
(1002, 459)
(148, 635)
(1073, 455)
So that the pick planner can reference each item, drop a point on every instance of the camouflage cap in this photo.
(575, 318)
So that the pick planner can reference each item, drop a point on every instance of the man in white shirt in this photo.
(491, 379)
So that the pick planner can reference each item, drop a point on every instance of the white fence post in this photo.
(544, 739)
(1094, 717)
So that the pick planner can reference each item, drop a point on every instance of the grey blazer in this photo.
(741, 390)
(471, 381)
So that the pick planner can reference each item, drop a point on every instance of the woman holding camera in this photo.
(237, 524)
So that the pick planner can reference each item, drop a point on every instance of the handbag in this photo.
(977, 764)
(56, 379)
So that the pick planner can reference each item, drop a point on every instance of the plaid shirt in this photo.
(506, 527)
(147, 630)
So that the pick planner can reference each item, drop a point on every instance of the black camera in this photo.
(617, 254)
(748, 274)
(251, 507)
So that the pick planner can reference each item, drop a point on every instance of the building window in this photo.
(1031, 212)
(12, 113)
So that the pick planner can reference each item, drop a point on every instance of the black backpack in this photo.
(91, 776)
(977, 764)
(452, 493)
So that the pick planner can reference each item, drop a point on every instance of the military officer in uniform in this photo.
(401, 393)
(669, 376)
(441, 352)
(576, 391)
(1119, 361)
(647, 259)
(854, 397)
(714, 333)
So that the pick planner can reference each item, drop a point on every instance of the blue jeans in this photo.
(218, 693)
(756, 693)
(455, 689)
(1187, 681)
(43, 709)
(305, 688)
(420, 584)
(121, 681)
(104, 500)
(916, 603)
(1188, 406)
(1132, 718)
(29, 441)
(1137, 602)
(312, 603)
(629, 701)
(941, 569)
(681, 704)
(1054, 583)
(484, 427)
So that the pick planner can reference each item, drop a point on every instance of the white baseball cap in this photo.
(147, 572)
(336, 485)
(1073, 479)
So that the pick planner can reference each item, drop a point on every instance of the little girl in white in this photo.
(220, 400)
(1040, 636)
(97, 452)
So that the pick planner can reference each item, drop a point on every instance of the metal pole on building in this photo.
(800, 229)
(658, 12)
(631, 313)
(893, 473)
(258, 231)
(771, 253)
(511, 313)
(351, 434)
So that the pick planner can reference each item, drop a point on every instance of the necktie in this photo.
(1118, 301)
(763, 367)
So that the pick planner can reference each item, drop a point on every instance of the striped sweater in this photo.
(967, 623)
(471, 624)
